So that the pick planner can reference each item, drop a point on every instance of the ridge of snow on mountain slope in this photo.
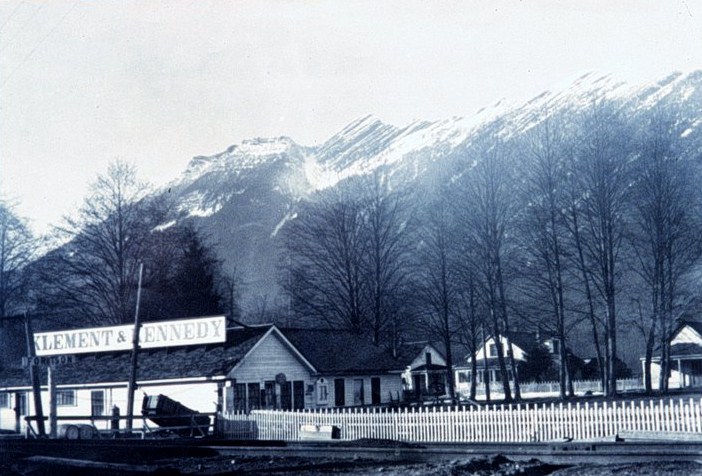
(367, 143)
(246, 195)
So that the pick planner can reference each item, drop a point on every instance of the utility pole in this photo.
(135, 349)
(34, 376)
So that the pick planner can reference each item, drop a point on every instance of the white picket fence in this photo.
(496, 423)
(548, 389)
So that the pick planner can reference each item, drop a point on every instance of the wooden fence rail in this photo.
(496, 423)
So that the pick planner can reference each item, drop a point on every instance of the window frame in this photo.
(63, 401)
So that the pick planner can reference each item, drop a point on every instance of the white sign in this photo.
(206, 330)
(50, 361)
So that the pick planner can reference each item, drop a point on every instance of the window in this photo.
(555, 346)
(235, 397)
(97, 403)
(65, 398)
(254, 396)
(427, 358)
(463, 377)
(492, 350)
(322, 391)
(21, 403)
(4, 400)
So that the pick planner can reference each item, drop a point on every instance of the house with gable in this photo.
(425, 373)
(487, 359)
(256, 367)
(685, 358)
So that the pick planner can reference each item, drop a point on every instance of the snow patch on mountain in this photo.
(288, 217)
(195, 204)
(318, 176)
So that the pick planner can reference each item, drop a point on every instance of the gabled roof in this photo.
(681, 350)
(341, 352)
(407, 353)
(688, 348)
(694, 325)
(326, 351)
(524, 340)
(156, 364)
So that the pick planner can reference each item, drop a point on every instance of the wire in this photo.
(19, 4)
(31, 17)
(36, 47)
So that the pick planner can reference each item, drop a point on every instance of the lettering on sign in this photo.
(206, 330)
(48, 361)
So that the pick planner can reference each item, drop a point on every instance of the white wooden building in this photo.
(487, 361)
(685, 358)
(425, 373)
(257, 367)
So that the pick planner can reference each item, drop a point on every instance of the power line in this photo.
(10, 40)
(36, 47)
(19, 4)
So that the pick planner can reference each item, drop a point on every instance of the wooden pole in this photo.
(34, 376)
(135, 350)
(52, 401)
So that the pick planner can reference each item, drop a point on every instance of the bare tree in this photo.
(326, 246)
(437, 282)
(543, 234)
(489, 208)
(469, 322)
(17, 249)
(388, 221)
(95, 272)
(666, 233)
(602, 173)
(230, 286)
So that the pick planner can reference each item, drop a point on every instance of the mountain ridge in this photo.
(243, 196)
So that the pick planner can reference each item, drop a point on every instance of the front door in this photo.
(375, 391)
(298, 394)
(339, 392)
(286, 396)
(418, 383)
(20, 409)
(358, 393)
(269, 392)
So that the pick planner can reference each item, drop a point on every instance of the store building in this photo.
(251, 368)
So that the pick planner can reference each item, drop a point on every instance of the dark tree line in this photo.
(578, 225)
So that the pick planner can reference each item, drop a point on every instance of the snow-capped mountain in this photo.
(244, 195)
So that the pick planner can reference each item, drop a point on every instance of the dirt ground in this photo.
(220, 466)
(496, 466)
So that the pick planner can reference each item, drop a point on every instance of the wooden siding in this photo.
(200, 396)
(390, 389)
(686, 335)
(436, 357)
(269, 358)
(483, 350)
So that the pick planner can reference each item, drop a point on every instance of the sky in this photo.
(155, 83)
